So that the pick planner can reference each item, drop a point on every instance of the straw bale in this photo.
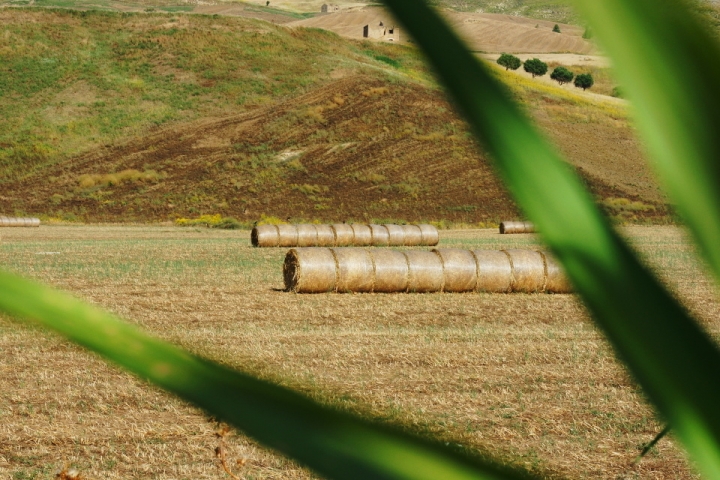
(363, 235)
(494, 271)
(287, 235)
(396, 235)
(310, 270)
(426, 271)
(528, 270)
(380, 235)
(313, 270)
(392, 272)
(517, 227)
(460, 269)
(356, 270)
(19, 222)
(556, 280)
(413, 235)
(430, 235)
(264, 236)
(344, 234)
(325, 235)
(306, 235)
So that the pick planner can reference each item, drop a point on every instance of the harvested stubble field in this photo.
(526, 378)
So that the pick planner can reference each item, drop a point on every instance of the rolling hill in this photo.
(151, 117)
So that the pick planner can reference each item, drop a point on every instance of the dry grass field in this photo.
(526, 378)
(484, 32)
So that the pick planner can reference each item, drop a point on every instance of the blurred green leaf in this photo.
(333, 443)
(671, 357)
(667, 62)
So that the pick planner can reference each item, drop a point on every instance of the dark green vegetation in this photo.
(556, 28)
(562, 75)
(510, 62)
(535, 67)
(584, 81)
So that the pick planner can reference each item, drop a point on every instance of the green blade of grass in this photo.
(667, 62)
(333, 443)
(671, 357)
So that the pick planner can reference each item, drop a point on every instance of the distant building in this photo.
(381, 32)
(329, 8)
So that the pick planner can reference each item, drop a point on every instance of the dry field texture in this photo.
(484, 32)
(526, 378)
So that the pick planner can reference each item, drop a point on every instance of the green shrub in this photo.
(584, 81)
(562, 75)
(556, 28)
(510, 62)
(535, 67)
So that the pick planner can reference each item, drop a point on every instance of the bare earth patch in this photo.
(526, 378)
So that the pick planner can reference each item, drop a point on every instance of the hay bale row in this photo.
(19, 222)
(319, 270)
(344, 235)
(517, 227)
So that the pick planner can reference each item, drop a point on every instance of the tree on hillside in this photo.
(535, 67)
(584, 81)
(587, 34)
(556, 28)
(562, 75)
(510, 62)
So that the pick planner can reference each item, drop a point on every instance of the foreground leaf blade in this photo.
(334, 444)
(665, 349)
(667, 63)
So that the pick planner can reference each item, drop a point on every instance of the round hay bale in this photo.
(287, 235)
(528, 270)
(413, 235)
(3, 221)
(306, 235)
(265, 236)
(494, 271)
(35, 222)
(392, 273)
(460, 269)
(430, 235)
(425, 272)
(356, 270)
(310, 270)
(14, 222)
(344, 234)
(396, 235)
(325, 236)
(556, 280)
(363, 235)
(380, 235)
(516, 227)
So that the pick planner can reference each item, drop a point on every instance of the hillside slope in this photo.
(257, 119)
(483, 31)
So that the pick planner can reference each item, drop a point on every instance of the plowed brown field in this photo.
(484, 32)
(358, 148)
